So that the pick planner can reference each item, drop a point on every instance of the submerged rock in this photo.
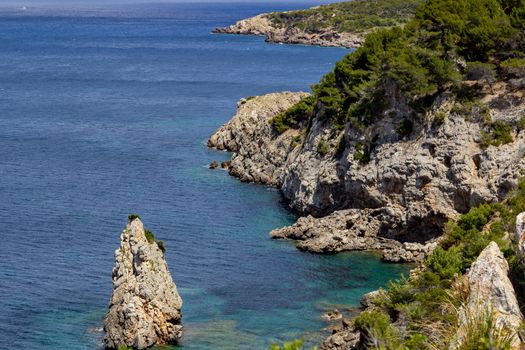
(332, 315)
(145, 308)
(214, 164)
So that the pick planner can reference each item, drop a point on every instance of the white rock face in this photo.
(490, 288)
(262, 25)
(145, 308)
(259, 151)
(520, 233)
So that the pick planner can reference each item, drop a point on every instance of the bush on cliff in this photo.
(150, 237)
(132, 217)
(415, 63)
(294, 116)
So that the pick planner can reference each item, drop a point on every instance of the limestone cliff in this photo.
(259, 151)
(414, 183)
(145, 308)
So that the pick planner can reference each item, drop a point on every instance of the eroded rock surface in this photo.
(491, 294)
(145, 307)
(259, 151)
(262, 25)
(354, 229)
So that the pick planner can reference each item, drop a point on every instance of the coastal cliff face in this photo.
(145, 307)
(410, 186)
(259, 151)
(263, 26)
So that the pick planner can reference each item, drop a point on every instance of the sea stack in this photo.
(145, 307)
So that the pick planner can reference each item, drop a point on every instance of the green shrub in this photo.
(356, 16)
(439, 118)
(446, 263)
(521, 123)
(514, 67)
(360, 155)
(500, 133)
(400, 292)
(161, 246)
(476, 218)
(150, 237)
(132, 217)
(322, 148)
(297, 344)
(292, 117)
(376, 329)
(405, 128)
(417, 341)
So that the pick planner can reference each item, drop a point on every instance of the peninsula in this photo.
(341, 24)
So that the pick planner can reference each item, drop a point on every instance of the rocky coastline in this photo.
(261, 25)
(398, 202)
(145, 307)
(489, 291)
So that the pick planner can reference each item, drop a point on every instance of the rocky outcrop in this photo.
(491, 294)
(413, 183)
(346, 337)
(145, 307)
(263, 26)
(354, 229)
(259, 151)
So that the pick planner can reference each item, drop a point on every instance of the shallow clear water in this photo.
(106, 112)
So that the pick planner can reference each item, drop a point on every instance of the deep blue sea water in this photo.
(105, 112)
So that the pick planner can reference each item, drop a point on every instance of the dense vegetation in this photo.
(458, 47)
(352, 16)
(426, 306)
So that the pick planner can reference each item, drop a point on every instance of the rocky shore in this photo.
(262, 25)
(397, 202)
(490, 294)
(145, 307)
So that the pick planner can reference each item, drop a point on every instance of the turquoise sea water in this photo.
(105, 112)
